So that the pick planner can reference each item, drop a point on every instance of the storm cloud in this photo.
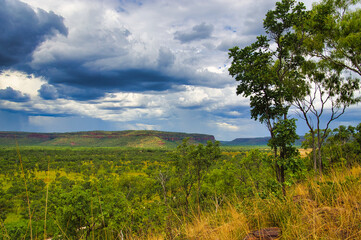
(81, 83)
(48, 92)
(12, 95)
(23, 30)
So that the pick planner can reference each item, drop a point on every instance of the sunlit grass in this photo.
(326, 208)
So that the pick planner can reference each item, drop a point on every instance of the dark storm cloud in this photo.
(199, 32)
(22, 30)
(48, 92)
(51, 92)
(74, 81)
(34, 112)
(12, 95)
(79, 93)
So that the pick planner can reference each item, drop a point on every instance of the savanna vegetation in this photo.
(77, 193)
(191, 192)
(308, 61)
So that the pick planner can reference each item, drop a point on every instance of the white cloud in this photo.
(140, 126)
(227, 126)
(25, 83)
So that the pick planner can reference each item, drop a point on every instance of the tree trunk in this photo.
(319, 156)
(314, 156)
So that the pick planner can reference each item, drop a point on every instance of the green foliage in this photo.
(191, 164)
(328, 35)
(333, 31)
(4, 204)
(134, 192)
(284, 136)
(343, 146)
(270, 77)
(308, 142)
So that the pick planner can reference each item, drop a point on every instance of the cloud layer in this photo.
(114, 65)
(12, 95)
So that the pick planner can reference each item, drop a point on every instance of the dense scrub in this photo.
(81, 192)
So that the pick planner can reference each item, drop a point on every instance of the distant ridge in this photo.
(247, 142)
(130, 138)
(260, 141)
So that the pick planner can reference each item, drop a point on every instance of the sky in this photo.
(80, 65)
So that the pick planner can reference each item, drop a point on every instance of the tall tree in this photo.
(330, 35)
(328, 97)
(267, 72)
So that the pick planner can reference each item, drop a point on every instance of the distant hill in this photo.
(246, 142)
(131, 138)
(262, 141)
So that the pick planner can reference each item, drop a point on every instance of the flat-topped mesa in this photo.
(127, 138)
(167, 136)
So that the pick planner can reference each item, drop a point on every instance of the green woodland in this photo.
(104, 193)
(309, 62)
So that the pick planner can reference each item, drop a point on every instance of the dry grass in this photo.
(305, 152)
(228, 223)
(326, 208)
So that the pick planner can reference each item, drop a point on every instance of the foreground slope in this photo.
(327, 207)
